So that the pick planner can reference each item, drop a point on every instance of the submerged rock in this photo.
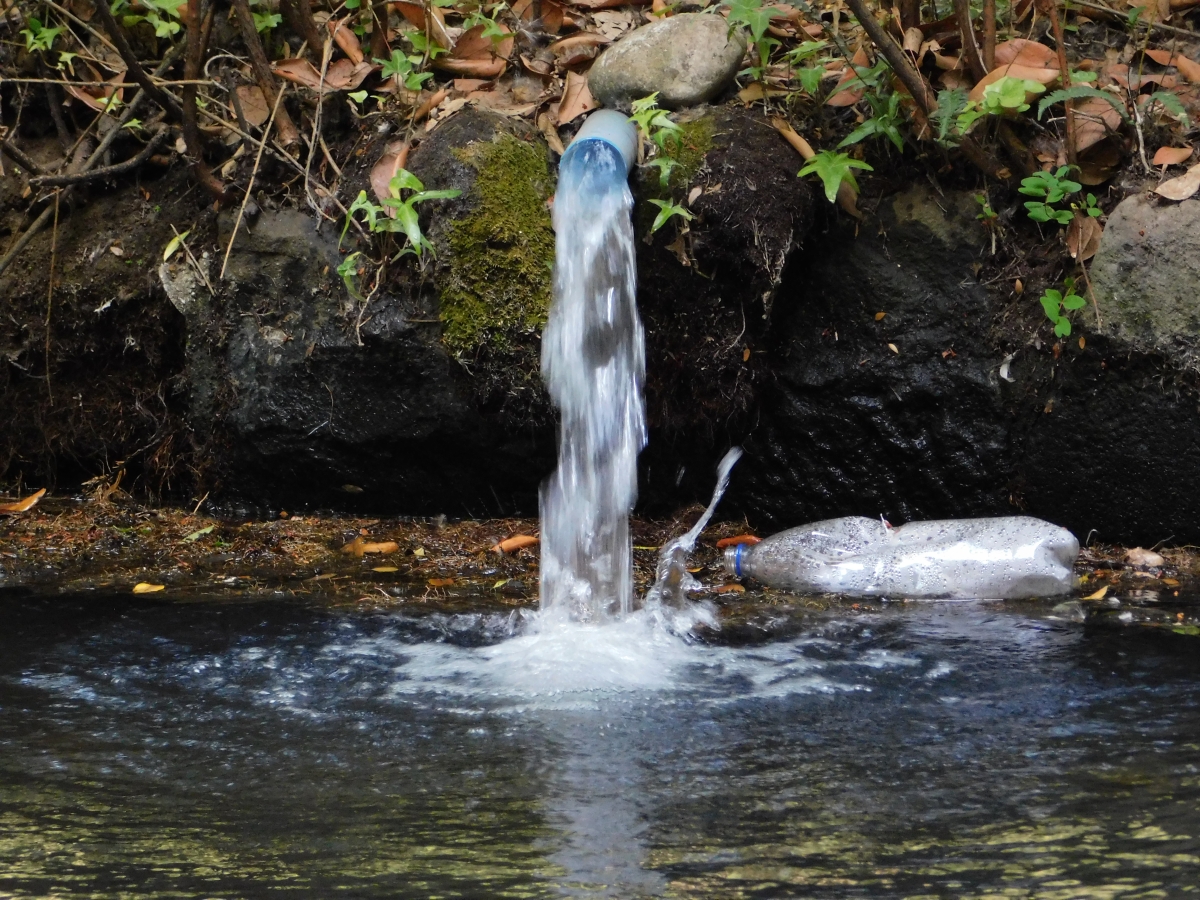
(689, 59)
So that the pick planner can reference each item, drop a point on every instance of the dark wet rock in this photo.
(688, 59)
(900, 415)
(1146, 274)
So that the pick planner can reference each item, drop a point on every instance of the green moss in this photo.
(688, 148)
(502, 253)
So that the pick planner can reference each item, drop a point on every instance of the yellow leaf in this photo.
(1171, 581)
(1099, 595)
(879, 316)
(419, 553)
(173, 245)
(499, 584)
(385, 569)
(144, 587)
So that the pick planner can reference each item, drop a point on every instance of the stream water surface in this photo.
(217, 749)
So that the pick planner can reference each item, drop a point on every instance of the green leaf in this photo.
(404, 180)
(751, 14)
(1078, 92)
(1062, 327)
(266, 21)
(358, 96)
(667, 209)
(406, 216)
(1172, 105)
(833, 168)
(1073, 302)
(174, 244)
(196, 535)
(664, 164)
(810, 80)
(348, 270)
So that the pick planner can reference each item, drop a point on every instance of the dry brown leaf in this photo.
(545, 124)
(414, 13)
(607, 4)
(1100, 162)
(546, 16)
(1025, 53)
(346, 39)
(1140, 556)
(729, 589)
(514, 543)
(756, 91)
(440, 582)
(576, 99)
(1172, 156)
(1083, 237)
(476, 56)
(1182, 187)
(1039, 74)
(395, 157)
(1095, 119)
(385, 569)
(429, 104)
(97, 96)
(737, 539)
(1187, 68)
(849, 96)
(913, 39)
(578, 48)
(145, 587)
(24, 504)
(254, 106)
(1099, 595)
(470, 85)
(612, 23)
(360, 546)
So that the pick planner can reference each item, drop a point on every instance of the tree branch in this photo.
(121, 42)
(105, 171)
(288, 134)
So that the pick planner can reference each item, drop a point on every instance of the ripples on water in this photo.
(922, 750)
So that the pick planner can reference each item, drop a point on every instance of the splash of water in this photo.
(593, 361)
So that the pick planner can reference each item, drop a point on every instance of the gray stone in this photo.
(1146, 274)
(688, 59)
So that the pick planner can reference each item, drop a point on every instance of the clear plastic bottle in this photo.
(1002, 558)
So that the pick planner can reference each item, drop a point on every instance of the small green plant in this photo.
(1079, 92)
(653, 122)
(1007, 95)
(885, 121)
(667, 209)
(755, 18)
(403, 67)
(38, 37)
(491, 28)
(1050, 188)
(404, 218)
(1055, 302)
(833, 169)
(986, 215)
(348, 270)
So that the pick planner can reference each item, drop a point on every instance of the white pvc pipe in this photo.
(614, 128)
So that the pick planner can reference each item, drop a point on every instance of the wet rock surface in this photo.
(688, 59)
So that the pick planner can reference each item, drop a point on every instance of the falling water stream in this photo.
(152, 748)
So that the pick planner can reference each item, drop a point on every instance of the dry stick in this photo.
(40, 222)
(20, 158)
(191, 129)
(1051, 7)
(379, 17)
(84, 25)
(250, 184)
(106, 171)
(989, 34)
(1110, 15)
(288, 134)
(326, 53)
(134, 68)
(970, 46)
(301, 22)
(50, 295)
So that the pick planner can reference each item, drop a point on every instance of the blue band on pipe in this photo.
(737, 560)
(596, 137)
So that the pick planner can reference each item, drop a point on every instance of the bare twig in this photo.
(17, 155)
(106, 171)
(50, 295)
(300, 20)
(84, 25)
(134, 68)
(326, 53)
(250, 184)
(970, 46)
(989, 34)
(191, 128)
(261, 67)
(1050, 7)
(1111, 15)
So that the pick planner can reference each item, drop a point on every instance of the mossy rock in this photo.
(501, 253)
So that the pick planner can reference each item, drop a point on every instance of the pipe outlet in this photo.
(614, 128)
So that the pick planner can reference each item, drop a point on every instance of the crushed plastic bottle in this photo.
(1004, 558)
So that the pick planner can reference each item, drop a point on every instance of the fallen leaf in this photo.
(1173, 582)
(174, 244)
(1187, 68)
(757, 91)
(415, 14)
(514, 543)
(145, 587)
(546, 16)
(1099, 595)
(746, 355)
(196, 535)
(1025, 53)
(737, 539)
(913, 39)
(1140, 556)
(254, 106)
(470, 85)
(1182, 187)
(729, 589)
(545, 124)
(1041, 75)
(395, 156)
(1171, 156)
(116, 250)
(576, 99)
(577, 48)
(894, 349)
(361, 546)
(501, 583)
(385, 569)
(1083, 237)
(850, 96)
(879, 316)
(419, 552)
(346, 39)
(477, 56)
(607, 4)
(1095, 119)
(440, 582)
(1082, 343)
(24, 504)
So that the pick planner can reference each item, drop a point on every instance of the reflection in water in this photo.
(917, 750)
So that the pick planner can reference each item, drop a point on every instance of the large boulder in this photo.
(689, 59)
(1146, 274)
